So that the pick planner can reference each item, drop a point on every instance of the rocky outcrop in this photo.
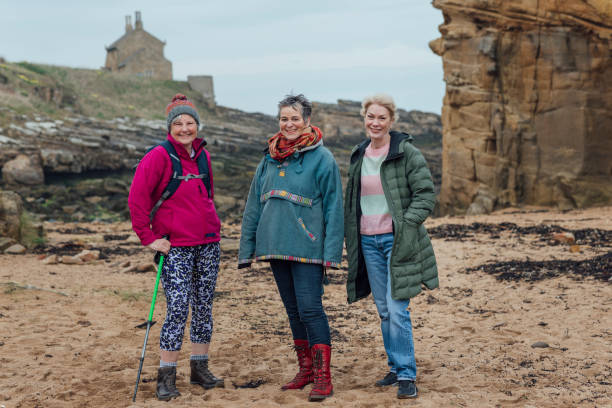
(342, 127)
(528, 106)
(87, 163)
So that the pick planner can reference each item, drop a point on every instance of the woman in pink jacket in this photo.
(189, 219)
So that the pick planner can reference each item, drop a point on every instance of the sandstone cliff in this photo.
(527, 114)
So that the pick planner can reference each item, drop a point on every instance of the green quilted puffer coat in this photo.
(409, 191)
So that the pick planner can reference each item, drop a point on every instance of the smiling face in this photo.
(184, 129)
(291, 123)
(377, 123)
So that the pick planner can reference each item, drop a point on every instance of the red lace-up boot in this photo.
(323, 388)
(304, 376)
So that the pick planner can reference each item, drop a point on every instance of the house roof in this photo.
(127, 35)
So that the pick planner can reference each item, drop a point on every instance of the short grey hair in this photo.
(384, 100)
(299, 103)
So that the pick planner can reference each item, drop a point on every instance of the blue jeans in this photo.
(395, 322)
(300, 286)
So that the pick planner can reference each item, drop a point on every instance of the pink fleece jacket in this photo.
(189, 216)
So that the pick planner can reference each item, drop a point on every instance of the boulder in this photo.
(483, 203)
(23, 170)
(11, 209)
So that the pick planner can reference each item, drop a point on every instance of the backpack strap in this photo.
(175, 180)
(177, 176)
(205, 173)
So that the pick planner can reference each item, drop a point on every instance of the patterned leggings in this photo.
(189, 276)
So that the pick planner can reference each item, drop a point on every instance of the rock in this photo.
(70, 209)
(116, 186)
(575, 248)
(526, 106)
(71, 260)
(77, 216)
(11, 209)
(88, 255)
(128, 269)
(93, 199)
(15, 249)
(6, 242)
(23, 170)
(133, 239)
(565, 237)
(540, 344)
(146, 267)
(51, 260)
(483, 203)
(224, 203)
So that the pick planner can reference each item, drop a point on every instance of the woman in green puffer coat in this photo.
(389, 194)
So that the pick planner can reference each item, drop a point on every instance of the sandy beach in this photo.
(526, 331)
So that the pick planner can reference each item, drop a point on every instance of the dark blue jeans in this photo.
(300, 286)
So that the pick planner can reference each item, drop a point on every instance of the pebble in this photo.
(15, 249)
(540, 344)
(51, 259)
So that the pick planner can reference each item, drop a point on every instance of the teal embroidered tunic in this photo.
(294, 210)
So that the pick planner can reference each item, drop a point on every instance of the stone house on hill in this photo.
(138, 53)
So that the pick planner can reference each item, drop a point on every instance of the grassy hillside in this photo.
(57, 91)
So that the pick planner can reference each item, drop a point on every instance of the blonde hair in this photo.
(381, 99)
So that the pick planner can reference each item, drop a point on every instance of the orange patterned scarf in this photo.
(281, 147)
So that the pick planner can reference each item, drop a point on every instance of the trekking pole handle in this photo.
(159, 269)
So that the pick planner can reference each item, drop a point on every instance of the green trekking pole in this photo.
(149, 321)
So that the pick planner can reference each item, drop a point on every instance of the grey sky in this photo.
(256, 50)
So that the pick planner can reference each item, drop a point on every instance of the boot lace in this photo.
(304, 372)
(320, 379)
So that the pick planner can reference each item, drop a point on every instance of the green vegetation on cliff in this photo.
(59, 91)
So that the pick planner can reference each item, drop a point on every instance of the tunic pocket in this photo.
(309, 234)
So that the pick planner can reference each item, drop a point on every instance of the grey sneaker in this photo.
(390, 379)
(407, 389)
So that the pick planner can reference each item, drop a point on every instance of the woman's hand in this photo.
(160, 245)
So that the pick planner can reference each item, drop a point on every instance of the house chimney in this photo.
(128, 24)
(138, 23)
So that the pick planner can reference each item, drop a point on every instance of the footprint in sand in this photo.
(506, 403)
(451, 389)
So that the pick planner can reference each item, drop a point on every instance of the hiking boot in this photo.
(407, 389)
(305, 375)
(323, 388)
(166, 384)
(390, 379)
(201, 375)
